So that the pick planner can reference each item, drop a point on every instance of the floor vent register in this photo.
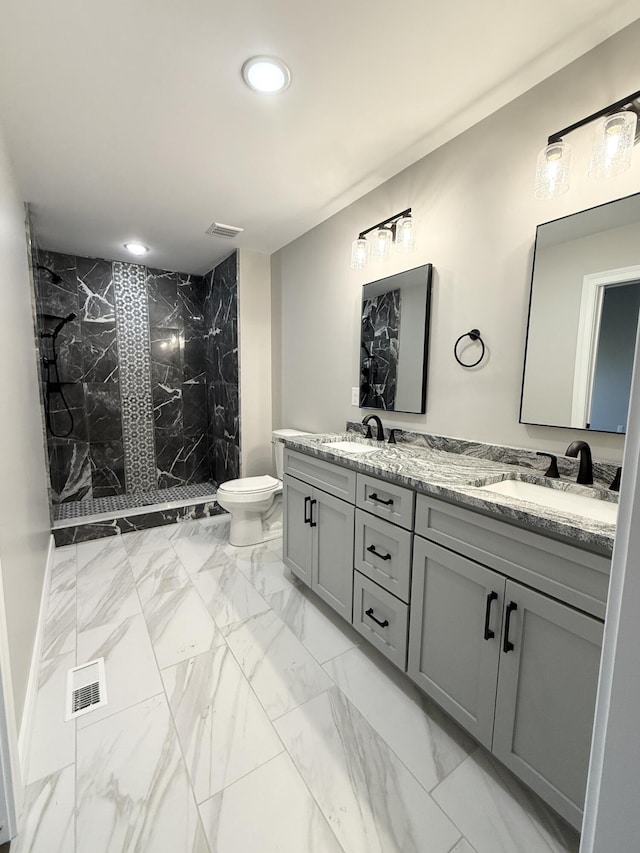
(86, 688)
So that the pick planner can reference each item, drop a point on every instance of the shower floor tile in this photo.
(243, 716)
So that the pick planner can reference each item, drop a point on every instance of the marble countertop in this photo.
(457, 476)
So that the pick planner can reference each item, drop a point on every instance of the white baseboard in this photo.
(26, 726)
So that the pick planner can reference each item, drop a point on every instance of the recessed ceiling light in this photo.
(266, 74)
(136, 248)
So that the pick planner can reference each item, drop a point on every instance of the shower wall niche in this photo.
(149, 370)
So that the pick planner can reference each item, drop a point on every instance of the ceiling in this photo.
(128, 119)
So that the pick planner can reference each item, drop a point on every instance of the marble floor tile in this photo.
(372, 802)
(48, 825)
(319, 629)
(157, 573)
(105, 588)
(463, 846)
(133, 792)
(223, 729)
(53, 741)
(421, 735)
(98, 550)
(267, 811)
(131, 673)
(264, 569)
(65, 567)
(228, 595)
(180, 626)
(201, 547)
(145, 541)
(188, 527)
(279, 668)
(59, 635)
(496, 814)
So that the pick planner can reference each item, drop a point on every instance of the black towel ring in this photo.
(474, 334)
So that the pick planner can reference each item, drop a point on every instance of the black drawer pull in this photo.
(374, 497)
(508, 646)
(307, 511)
(369, 613)
(372, 550)
(488, 633)
(312, 523)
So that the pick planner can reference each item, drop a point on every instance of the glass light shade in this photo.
(382, 240)
(613, 145)
(406, 234)
(266, 74)
(359, 253)
(552, 170)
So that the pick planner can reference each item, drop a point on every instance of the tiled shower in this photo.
(148, 367)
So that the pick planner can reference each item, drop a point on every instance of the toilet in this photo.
(255, 503)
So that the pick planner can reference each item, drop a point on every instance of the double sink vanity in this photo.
(483, 580)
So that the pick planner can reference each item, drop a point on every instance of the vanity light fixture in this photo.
(266, 74)
(398, 230)
(614, 138)
(136, 248)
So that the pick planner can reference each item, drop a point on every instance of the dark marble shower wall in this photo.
(222, 373)
(167, 316)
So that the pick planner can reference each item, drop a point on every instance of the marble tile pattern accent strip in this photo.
(328, 775)
(455, 476)
(132, 326)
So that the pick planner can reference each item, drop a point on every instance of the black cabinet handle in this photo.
(372, 550)
(508, 646)
(307, 511)
(369, 613)
(312, 523)
(374, 497)
(488, 633)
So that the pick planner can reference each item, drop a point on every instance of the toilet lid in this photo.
(250, 485)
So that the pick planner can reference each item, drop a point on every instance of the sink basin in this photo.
(350, 446)
(546, 496)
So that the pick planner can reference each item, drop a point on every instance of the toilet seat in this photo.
(248, 489)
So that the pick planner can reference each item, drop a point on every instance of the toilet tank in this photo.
(277, 437)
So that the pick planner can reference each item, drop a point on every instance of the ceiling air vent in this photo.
(218, 229)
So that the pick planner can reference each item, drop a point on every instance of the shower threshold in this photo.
(78, 521)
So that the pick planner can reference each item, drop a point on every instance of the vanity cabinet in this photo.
(501, 626)
(516, 668)
(319, 531)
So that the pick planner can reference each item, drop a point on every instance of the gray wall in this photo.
(473, 199)
(25, 527)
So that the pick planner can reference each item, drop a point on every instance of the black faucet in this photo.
(585, 472)
(379, 427)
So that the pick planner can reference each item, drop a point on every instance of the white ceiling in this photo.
(129, 118)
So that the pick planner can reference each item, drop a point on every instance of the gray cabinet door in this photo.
(453, 645)
(297, 533)
(546, 698)
(332, 574)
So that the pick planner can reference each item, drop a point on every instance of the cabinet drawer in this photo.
(386, 500)
(563, 571)
(338, 481)
(383, 553)
(381, 618)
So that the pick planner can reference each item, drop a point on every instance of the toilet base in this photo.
(252, 528)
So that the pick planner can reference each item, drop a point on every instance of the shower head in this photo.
(55, 278)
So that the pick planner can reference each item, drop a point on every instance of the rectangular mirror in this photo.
(393, 341)
(583, 319)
